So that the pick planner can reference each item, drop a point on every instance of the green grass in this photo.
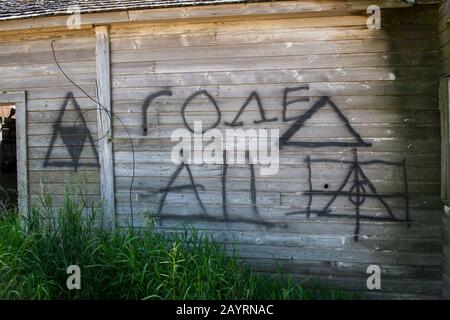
(126, 264)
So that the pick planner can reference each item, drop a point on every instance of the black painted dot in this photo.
(326, 186)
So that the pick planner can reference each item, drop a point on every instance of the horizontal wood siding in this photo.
(27, 63)
(385, 82)
(380, 125)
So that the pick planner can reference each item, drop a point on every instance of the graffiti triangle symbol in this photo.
(285, 139)
(357, 187)
(74, 136)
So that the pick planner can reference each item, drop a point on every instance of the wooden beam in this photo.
(444, 108)
(19, 100)
(208, 12)
(104, 117)
(22, 153)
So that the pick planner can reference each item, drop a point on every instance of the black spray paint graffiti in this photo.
(204, 215)
(213, 102)
(287, 102)
(192, 186)
(300, 122)
(285, 139)
(357, 188)
(195, 187)
(356, 185)
(253, 96)
(147, 104)
(253, 195)
(74, 136)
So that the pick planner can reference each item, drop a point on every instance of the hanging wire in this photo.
(111, 115)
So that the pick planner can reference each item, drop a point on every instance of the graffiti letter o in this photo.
(192, 97)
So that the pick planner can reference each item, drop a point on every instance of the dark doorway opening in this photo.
(8, 156)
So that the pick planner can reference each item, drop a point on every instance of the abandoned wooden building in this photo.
(362, 112)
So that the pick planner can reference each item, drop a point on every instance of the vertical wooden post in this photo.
(445, 134)
(22, 155)
(444, 105)
(104, 120)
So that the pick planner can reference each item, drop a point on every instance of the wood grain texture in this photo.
(384, 82)
(28, 64)
(444, 103)
(389, 99)
(250, 10)
(104, 119)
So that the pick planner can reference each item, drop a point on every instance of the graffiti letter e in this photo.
(374, 280)
(74, 280)
(374, 21)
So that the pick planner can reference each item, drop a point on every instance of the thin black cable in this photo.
(110, 115)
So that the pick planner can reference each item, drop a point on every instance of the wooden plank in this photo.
(325, 241)
(171, 120)
(140, 77)
(370, 60)
(46, 56)
(279, 50)
(444, 107)
(22, 154)
(308, 61)
(339, 268)
(278, 28)
(19, 37)
(62, 176)
(289, 157)
(299, 225)
(378, 145)
(369, 88)
(216, 12)
(104, 124)
(61, 188)
(35, 46)
(47, 69)
(58, 200)
(213, 34)
(44, 81)
(279, 214)
(155, 184)
(324, 34)
(172, 104)
(60, 93)
(317, 131)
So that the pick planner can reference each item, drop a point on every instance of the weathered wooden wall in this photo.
(27, 63)
(444, 37)
(384, 82)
